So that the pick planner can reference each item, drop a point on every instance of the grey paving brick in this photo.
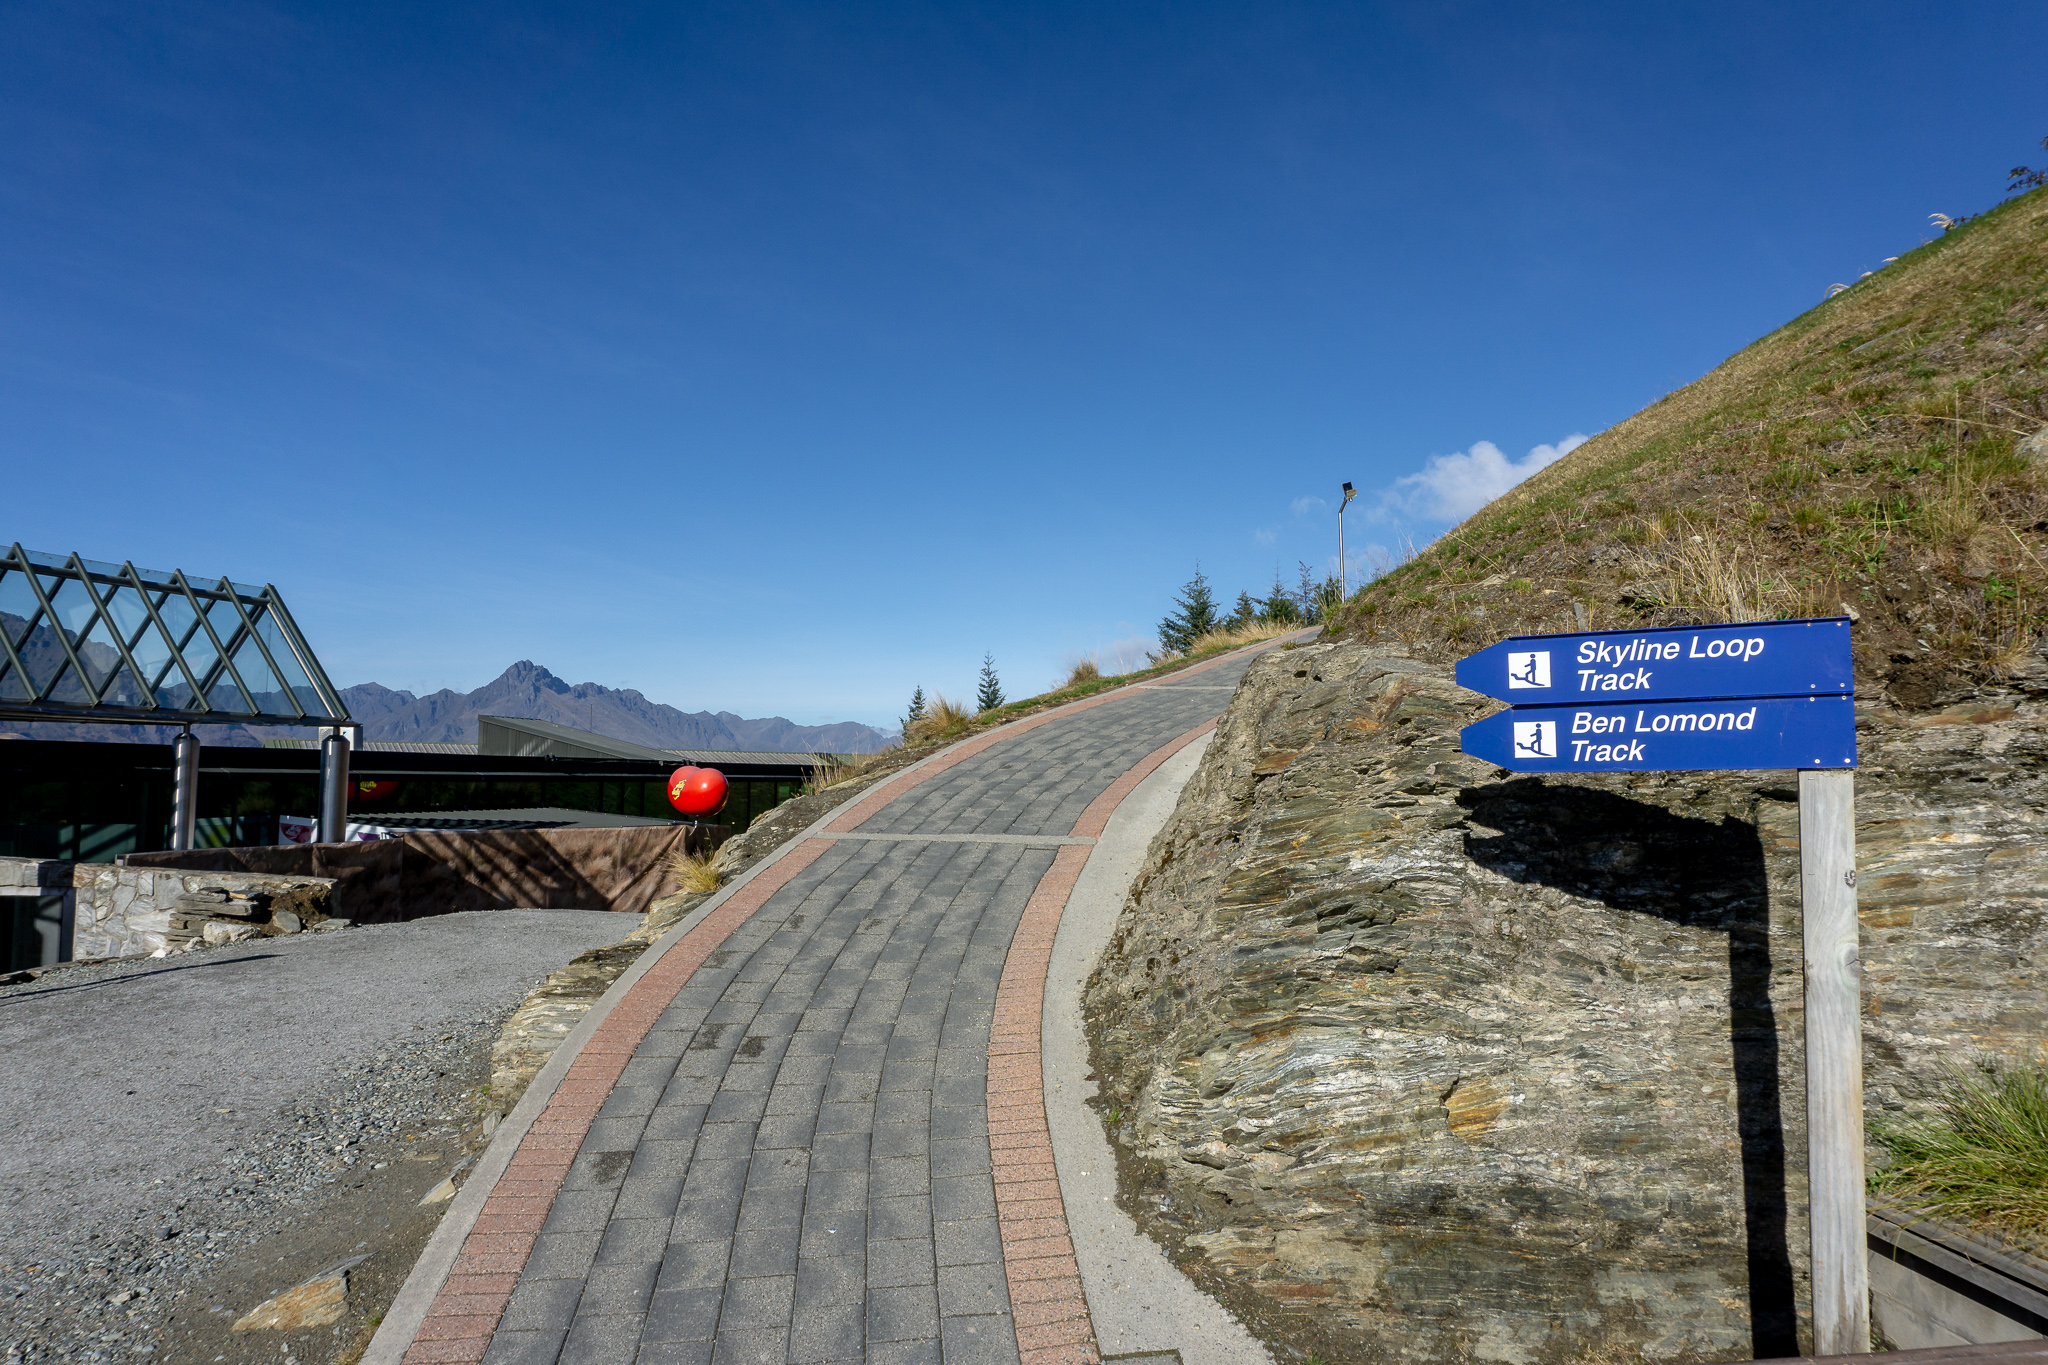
(834, 1232)
(648, 1196)
(712, 1177)
(751, 1345)
(901, 1175)
(674, 1353)
(853, 1117)
(773, 1207)
(661, 1157)
(969, 1241)
(959, 1123)
(988, 1340)
(614, 1134)
(612, 1289)
(542, 1306)
(901, 1261)
(839, 1152)
(603, 1339)
(694, 1265)
(960, 1156)
(764, 1300)
(562, 1254)
(724, 1141)
(683, 1314)
(963, 1196)
(910, 1216)
(735, 1105)
(909, 1313)
(901, 1139)
(666, 1039)
(827, 1333)
(524, 1348)
(675, 1123)
(764, 1251)
(822, 1280)
(596, 1168)
(784, 1130)
(965, 1290)
(778, 1168)
(634, 1241)
(794, 1100)
(580, 1211)
(706, 1218)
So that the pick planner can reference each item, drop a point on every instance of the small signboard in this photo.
(1760, 659)
(1669, 736)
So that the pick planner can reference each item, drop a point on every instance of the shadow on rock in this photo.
(1702, 874)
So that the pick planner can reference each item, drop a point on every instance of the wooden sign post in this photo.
(1834, 1063)
(1776, 694)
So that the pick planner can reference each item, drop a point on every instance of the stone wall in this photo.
(126, 911)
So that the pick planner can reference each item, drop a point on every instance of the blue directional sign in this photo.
(1761, 659)
(1687, 736)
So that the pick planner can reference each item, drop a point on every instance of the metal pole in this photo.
(1834, 1062)
(1343, 584)
(184, 789)
(333, 787)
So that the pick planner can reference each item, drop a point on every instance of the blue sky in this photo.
(781, 358)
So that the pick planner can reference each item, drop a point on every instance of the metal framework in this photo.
(85, 641)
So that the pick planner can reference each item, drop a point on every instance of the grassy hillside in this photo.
(1883, 453)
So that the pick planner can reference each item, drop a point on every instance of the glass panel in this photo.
(149, 648)
(96, 651)
(269, 693)
(227, 624)
(41, 652)
(66, 687)
(178, 617)
(287, 662)
(17, 605)
(72, 603)
(121, 689)
(11, 686)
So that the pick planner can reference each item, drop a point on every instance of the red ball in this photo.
(697, 791)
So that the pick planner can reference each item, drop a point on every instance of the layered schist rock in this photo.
(1414, 1059)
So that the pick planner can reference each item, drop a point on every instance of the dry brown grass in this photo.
(693, 871)
(1238, 636)
(1084, 672)
(943, 719)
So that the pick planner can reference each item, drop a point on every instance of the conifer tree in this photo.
(1244, 613)
(916, 712)
(990, 695)
(1192, 617)
(1279, 608)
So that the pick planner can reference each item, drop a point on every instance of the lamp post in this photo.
(1343, 585)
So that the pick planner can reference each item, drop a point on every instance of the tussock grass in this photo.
(1084, 672)
(943, 719)
(1236, 637)
(1981, 1156)
(693, 871)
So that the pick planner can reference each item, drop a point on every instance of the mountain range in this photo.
(524, 690)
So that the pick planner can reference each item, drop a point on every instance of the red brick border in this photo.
(1049, 1307)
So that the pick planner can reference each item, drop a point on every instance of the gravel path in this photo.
(162, 1112)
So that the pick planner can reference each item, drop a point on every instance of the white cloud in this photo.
(1303, 506)
(1453, 487)
(1264, 535)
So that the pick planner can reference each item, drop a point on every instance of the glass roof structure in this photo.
(84, 640)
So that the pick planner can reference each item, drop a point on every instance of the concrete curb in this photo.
(1141, 1304)
(417, 1297)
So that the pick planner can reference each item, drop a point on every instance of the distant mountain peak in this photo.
(530, 691)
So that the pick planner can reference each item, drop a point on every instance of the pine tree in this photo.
(1244, 613)
(1193, 616)
(1279, 609)
(916, 712)
(991, 694)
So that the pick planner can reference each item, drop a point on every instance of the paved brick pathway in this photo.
(815, 1131)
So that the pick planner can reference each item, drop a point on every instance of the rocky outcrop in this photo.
(1413, 1059)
